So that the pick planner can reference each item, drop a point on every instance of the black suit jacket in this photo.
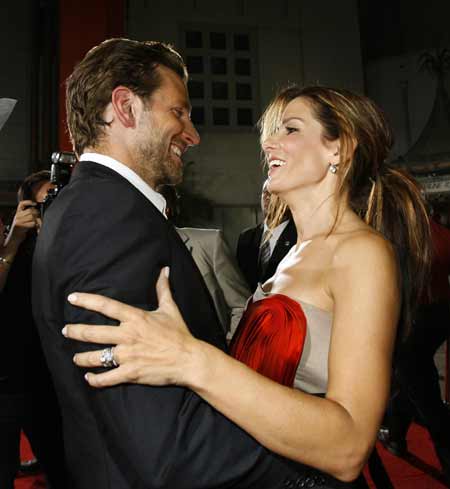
(102, 235)
(248, 252)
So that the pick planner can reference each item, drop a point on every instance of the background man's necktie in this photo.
(264, 254)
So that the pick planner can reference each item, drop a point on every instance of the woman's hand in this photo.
(154, 348)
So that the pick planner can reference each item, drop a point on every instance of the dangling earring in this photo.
(333, 168)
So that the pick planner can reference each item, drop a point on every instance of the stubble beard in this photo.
(155, 165)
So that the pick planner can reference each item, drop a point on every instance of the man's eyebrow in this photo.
(285, 121)
(184, 105)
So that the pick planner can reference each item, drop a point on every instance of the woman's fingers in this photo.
(104, 305)
(94, 358)
(114, 376)
(163, 289)
(103, 335)
(89, 359)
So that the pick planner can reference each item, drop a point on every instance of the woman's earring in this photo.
(333, 168)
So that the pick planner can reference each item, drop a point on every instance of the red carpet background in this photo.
(32, 481)
(419, 470)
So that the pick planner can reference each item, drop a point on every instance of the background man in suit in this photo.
(129, 120)
(220, 272)
(259, 251)
(213, 257)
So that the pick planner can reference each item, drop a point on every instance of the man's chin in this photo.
(175, 173)
(172, 178)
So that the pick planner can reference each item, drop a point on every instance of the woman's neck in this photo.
(317, 215)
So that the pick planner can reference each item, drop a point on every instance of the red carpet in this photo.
(419, 470)
(32, 481)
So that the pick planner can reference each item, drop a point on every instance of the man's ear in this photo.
(123, 100)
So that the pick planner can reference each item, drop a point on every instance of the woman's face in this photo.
(298, 154)
(40, 191)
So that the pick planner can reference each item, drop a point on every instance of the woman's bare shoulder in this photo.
(365, 262)
(364, 247)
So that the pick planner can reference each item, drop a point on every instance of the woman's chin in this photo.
(274, 187)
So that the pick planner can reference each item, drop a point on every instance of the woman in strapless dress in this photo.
(310, 364)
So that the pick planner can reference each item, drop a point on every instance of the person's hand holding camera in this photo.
(26, 218)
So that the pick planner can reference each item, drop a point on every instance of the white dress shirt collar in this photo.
(154, 197)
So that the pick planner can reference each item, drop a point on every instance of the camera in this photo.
(60, 172)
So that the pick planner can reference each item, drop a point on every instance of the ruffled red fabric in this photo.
(270, 338)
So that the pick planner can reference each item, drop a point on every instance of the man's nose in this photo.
(190, 134)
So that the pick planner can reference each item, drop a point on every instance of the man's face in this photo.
(165, 132)
(265, 199)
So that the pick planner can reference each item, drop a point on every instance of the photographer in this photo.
(26, 218)
(24, 377)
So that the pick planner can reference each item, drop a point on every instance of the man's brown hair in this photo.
(113, 63)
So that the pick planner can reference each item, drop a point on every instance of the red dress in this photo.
(270, 337)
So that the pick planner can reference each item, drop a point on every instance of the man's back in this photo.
(102, 235)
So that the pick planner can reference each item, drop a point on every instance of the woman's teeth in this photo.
(276, 163)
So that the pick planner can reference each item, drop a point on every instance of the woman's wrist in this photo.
(15, 237)
(9, 250)
(195, 365)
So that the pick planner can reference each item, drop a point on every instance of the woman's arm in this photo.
(26, 218)
(335, 434)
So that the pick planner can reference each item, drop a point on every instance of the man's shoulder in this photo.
(96, 190)
(88, 176)
(201, 234)
(202, 242)
(109, 210)
(250, 235)
(251, 231)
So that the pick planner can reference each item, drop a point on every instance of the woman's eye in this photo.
(178, 113)
(290, 130)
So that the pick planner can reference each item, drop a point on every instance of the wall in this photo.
(16, 47)
(83, 24)
(405, 93)
(331, 44)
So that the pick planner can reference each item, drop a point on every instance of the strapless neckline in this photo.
(271, 336)
(260, 291)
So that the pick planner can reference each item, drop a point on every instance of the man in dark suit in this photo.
(260, 250)
(128, 115)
